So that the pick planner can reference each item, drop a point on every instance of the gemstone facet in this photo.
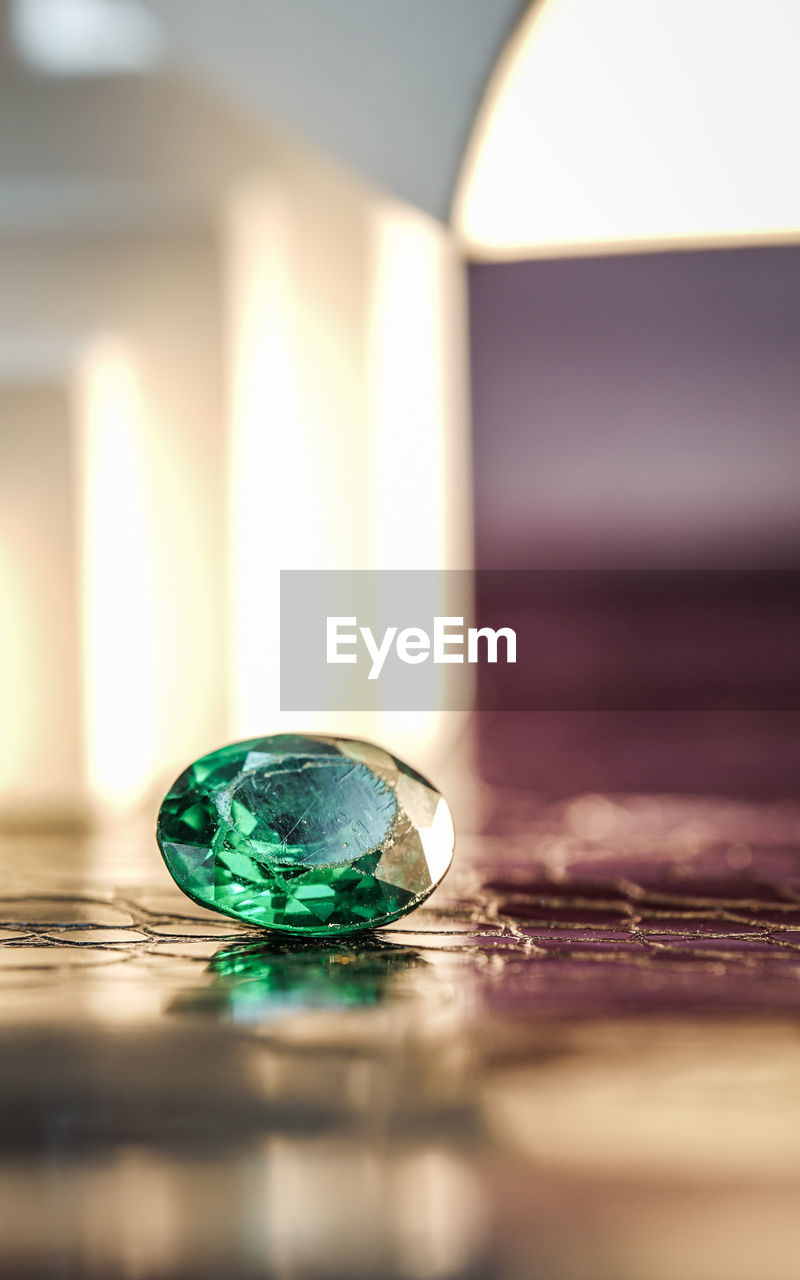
(311, 835)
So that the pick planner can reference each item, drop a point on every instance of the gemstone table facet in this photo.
(311, 835)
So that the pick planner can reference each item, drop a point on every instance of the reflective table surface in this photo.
(580, 1060)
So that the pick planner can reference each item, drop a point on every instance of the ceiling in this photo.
(390, 88)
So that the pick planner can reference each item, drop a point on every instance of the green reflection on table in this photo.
(258, 981)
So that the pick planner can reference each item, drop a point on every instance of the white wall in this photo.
(287, 392)
(39, 665)
(65, 304)
(350, 437)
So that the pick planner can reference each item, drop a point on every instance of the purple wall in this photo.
(640, 409)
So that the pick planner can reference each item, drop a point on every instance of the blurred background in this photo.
(397, 284)
(350, 285)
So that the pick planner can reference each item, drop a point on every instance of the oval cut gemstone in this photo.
(306, 834)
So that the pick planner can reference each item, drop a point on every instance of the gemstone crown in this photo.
(306, 834)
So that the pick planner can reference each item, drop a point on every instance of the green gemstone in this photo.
(307, 834)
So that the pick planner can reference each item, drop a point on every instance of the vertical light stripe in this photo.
(118, 603)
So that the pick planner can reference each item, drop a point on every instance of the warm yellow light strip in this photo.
(406, 375)
(118, 608)
(636, 124)
(263, 439)
(420, 482)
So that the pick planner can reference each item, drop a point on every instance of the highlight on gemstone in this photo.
(306, 834)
